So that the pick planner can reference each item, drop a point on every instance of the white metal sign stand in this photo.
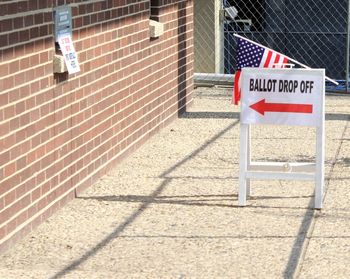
(293, 97)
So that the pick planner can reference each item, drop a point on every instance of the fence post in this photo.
(219, 37)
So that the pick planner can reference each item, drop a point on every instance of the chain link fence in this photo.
(315, 33)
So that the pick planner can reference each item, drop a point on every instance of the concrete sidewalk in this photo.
(171, 211)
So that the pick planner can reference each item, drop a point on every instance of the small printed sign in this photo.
(63, 21)
(70, 56)
(282, 96)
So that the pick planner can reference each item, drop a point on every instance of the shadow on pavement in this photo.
(145, 204)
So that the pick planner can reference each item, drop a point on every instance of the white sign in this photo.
(282, 96)
(69, 53)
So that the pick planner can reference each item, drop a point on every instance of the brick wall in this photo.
(59, 133)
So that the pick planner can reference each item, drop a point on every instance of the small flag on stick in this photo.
(256, 56)
(252, 54)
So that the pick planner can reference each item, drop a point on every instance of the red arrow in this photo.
(262, 107)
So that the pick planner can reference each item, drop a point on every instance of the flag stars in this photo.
(248, 54)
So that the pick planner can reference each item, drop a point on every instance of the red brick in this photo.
(9, 169)
(6, 25)
(36, 194)
(21, 218)
(28, 20)
(13, 38)
(8, 83)
(20, 191)
(11, 226)
(2, 203)
(9, 198)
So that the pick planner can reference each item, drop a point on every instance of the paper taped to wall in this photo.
(70, 55)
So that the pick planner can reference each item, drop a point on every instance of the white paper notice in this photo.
(69, 53)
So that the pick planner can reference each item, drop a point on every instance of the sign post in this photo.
(63, 36)
(293, 97)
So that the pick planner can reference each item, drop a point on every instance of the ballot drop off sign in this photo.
(292, 97)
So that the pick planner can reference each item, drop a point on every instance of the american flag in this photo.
(256, 56)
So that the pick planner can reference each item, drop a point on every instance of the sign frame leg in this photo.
(320, 156)
(319, 174)
(244, 183)
(248, 159)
